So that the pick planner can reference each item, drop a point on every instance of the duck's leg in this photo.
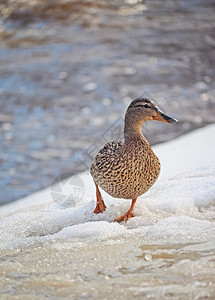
(100, 205)
(128, 215)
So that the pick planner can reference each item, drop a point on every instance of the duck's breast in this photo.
(126, 170)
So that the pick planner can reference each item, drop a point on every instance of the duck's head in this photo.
(144, 109)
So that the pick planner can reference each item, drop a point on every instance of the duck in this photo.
(127, 169)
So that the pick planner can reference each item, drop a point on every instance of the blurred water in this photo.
(69, 68)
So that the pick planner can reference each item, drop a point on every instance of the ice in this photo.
(172, 236)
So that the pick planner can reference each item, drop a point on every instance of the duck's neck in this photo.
(132, 128)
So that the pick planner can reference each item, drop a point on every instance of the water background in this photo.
(68, 70)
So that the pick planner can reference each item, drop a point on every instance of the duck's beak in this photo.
(164, 118)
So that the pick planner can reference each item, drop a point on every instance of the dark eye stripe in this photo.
(140, 105)
(143, 105)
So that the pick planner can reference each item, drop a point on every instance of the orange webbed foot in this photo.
(128, 215)
(124, 218)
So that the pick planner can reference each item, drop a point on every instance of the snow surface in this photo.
(180, 206)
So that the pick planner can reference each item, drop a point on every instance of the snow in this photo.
(192, 151)
(181, 202)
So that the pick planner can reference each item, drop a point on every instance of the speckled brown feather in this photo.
(126, 169)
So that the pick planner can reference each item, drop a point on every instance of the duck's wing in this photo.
(105, 157)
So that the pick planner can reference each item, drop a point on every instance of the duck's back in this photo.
(126, 169)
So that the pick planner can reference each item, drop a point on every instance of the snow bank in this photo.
(179, 208)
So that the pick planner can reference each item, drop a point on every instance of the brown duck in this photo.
(127, 169)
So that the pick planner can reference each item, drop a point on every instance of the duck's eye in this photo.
(146, 106)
